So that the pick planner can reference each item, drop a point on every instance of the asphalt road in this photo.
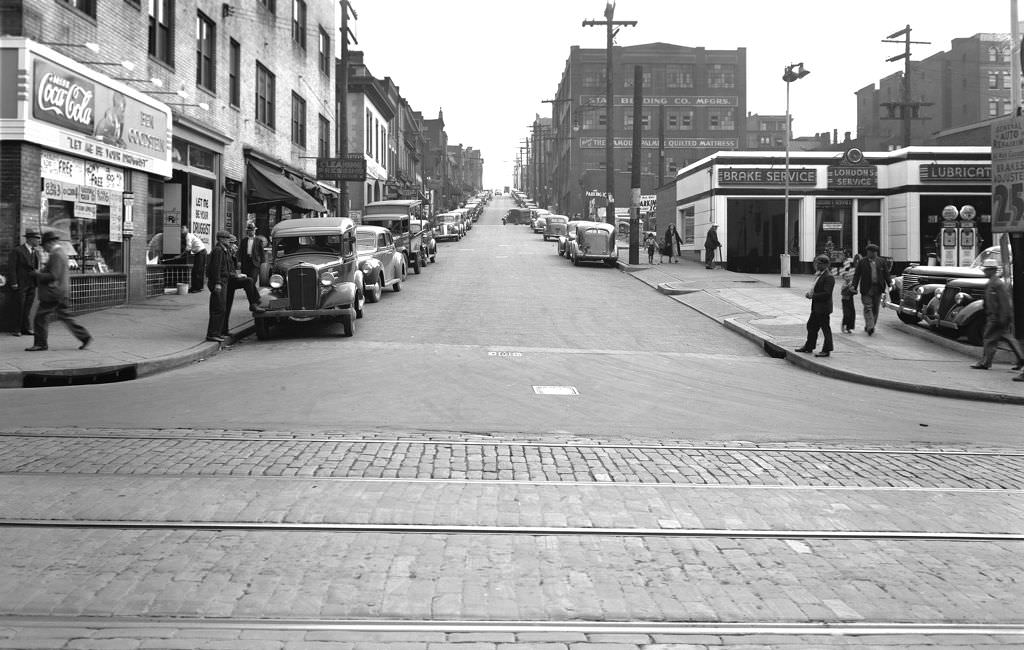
(465, 343)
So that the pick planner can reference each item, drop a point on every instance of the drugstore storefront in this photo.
(839, 202)
(79, 150)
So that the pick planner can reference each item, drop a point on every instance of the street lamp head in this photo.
(795, 71)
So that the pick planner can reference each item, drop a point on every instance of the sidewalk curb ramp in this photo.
(116, 372)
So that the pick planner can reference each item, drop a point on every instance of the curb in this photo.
(669, 290)
(778, 352)
(145, 368)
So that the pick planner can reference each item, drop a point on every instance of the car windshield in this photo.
(448, 218)
(308, 243)
(366, 241)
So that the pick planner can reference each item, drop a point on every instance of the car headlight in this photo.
(276, 281)
(939, 292)
(327, 278)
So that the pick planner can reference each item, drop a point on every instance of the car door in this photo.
(388, 255)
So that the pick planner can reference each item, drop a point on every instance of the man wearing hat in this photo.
(998, 318)
(223, 278)
(820, 296)
(711, 246)
(53, 284)
(250, 253)
(23, 261)
(872, 278)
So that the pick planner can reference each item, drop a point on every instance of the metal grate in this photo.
(302, 287)
(92, 292)
(166, 276)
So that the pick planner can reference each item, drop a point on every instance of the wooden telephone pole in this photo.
(907, 109)
(342, 114)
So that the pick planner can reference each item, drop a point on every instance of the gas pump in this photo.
(958, 239)
(968, 244)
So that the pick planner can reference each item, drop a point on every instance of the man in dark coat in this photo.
(222, 278)
(673, 243)
(251, 253)
(871, 278)
(23, 261)
(711, 245)
(998, 318)
(54, 284)
(821, 308)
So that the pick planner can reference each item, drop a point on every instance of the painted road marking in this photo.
(555, 390)
(501, 353)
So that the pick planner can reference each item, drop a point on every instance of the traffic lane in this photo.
(352, 385)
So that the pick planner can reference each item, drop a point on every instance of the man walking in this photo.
(23, 261)
(223, 279)
(53, 285)
(998, 318)
(711, 245)
(821, 308)
(871, 278)
(251, 254)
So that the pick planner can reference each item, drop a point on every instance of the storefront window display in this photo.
(85, 235)
(833, 227)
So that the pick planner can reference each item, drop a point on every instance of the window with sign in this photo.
(834, 228)
(90, 233)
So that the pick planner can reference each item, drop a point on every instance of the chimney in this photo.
(846, 136)
(835, 136)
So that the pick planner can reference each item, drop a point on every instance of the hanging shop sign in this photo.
(1008, 175)
(201, 214)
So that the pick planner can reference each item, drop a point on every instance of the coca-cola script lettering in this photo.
(63, 98)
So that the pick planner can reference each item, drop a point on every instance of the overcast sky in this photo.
(489, 64)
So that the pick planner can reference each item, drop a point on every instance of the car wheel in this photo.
(360, 304)
(262, 328)
(375, 292)
(349, 324)
(397, 286)
(575, 260)
(908, 319)
(975, 331)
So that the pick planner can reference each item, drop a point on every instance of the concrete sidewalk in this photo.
(898, 356)
(129, 341)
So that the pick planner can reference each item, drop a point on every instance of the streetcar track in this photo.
(520, 626)
(535, 531)
(510, 443)
(513, 482)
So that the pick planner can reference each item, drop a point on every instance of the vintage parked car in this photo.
(429, 241)
(554, 226)
(570, 234)
(313, 274)
(915, 289)
(397, 216)
(449, 227)
(518, 216)
(956, 307)
(466, 218)
(594, 242)
(380, 262)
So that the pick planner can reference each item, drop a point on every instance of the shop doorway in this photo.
(756, 234)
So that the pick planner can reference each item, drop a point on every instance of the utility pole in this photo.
(661, 145)
(908, 109)
(634, 204)
(342, 81)
(609, 144)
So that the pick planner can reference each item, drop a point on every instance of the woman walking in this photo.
(672, 242)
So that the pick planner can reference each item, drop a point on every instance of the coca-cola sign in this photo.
(63, 98)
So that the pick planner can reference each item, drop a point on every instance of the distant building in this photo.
(766, 132)
(694, 105)
(968, 84)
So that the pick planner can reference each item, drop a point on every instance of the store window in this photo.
(85, 234)
(833, 225)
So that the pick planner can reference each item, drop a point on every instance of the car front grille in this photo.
(302, 288)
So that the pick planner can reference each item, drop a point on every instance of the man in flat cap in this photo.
(871, 278)
(23, 261)
(53, 284)
(223, 278)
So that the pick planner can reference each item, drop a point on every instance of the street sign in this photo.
(351, 168)
(1007, 177)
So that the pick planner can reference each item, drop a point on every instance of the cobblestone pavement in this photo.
(139, 452)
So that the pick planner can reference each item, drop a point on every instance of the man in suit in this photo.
(23, 261)
(871, 278)
(821, 308)
(53, 284)
(711, 246)
(251, 253)
(223, 279)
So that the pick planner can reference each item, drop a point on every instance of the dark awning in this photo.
(270, 187)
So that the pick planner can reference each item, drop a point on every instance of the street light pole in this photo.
(609, 149)
(793, 72)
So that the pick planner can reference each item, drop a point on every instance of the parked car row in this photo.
(949, 299)
(329, 268)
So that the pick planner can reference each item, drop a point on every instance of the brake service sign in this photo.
(1008, 175)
